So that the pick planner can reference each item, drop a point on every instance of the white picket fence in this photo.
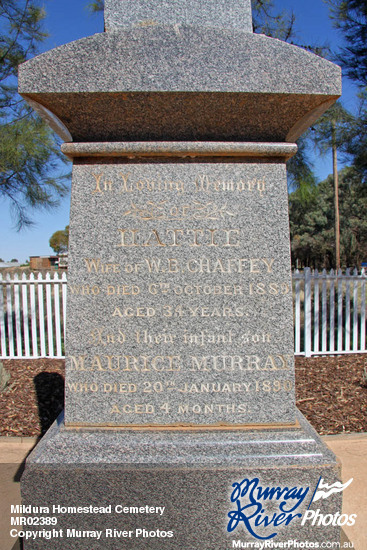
(32, 316)
(329, 314)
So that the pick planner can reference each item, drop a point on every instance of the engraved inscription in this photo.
(199, 265)
(180, 295)
(209, 184)
(167, 363)
(194, 211)
(125, 182)
(179, 237)
(210, 388)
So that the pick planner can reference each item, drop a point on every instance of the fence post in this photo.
(332, 312)
(316, 310)
(57, 315)
(324, 311)
(2, 318)
(64, 298)
(297, 313)
(355, 309)
(340, 310)
(32, 296)
(50, 335)
(363, 310)
(347, 311)
(9, 311)
(308, 314)
(41, 315)
(25, 316)
(18, 332)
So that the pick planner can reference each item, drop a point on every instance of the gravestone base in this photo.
(189, 473)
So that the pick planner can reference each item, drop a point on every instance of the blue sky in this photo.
(69, 20)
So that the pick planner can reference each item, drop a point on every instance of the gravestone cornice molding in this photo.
(185, 149)
(185, 59)
(181, 83)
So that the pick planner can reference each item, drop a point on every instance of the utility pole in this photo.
(336, 197)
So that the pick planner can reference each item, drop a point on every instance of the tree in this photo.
(59, 241)
(96, 5)
(29, 150)
(330, 133)
(350, 17)
(265, 21)
(300, 168)
(311, 223)
(312, 227)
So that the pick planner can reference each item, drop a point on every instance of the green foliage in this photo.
(59, 241)
(355, 144)
(312, 223)
(350, 16)
(20, 29)
(96, 5)
(29, 150)
(333, 128)
(266, 21)
(300, 169)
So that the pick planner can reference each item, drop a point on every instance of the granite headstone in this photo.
(179, 345)
(180, 297)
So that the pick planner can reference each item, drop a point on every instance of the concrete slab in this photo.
(15, 449)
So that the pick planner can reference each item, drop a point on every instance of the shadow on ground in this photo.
(50, 393)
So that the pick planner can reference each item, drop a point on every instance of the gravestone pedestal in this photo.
(189, 474)
(180, 426)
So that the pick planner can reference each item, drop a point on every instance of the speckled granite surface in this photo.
(179, 301)
(190, 475)
(227, 14)
(186, 83)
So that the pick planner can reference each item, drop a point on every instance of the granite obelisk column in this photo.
(180, 371)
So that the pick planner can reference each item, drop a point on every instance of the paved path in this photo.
(13, 451)
(350, 449)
